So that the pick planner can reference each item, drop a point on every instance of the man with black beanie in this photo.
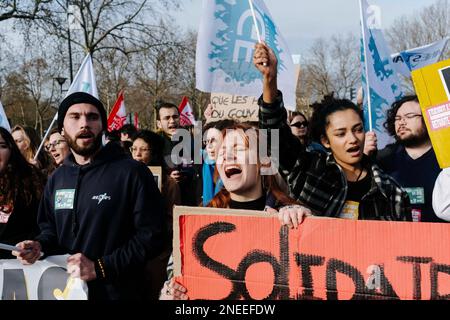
(101, 207)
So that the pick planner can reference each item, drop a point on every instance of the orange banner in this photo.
(230, 254)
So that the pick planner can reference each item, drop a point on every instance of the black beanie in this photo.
(80, 97)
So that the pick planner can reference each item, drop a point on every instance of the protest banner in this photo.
(406, 61)
(432, 84)
(44, 280)
(236, 254)
(157, 175)
(239, 108)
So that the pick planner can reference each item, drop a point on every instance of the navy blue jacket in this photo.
(109, 209)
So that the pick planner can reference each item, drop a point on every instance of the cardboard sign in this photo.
(432, 85)
(239, 108)
(44, 280)
(157, 174)
(233, 254)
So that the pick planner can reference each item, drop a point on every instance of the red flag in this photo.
(118, 115)
(186, 115)
(136, 120)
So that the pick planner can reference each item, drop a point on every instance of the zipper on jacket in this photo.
(75, 205)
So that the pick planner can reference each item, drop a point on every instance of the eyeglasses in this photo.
(407, 117)
(50, 146)
(302, 124)
(142, 150)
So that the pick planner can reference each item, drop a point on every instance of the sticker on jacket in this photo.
(350, 210)
(5, 212)
(416, 195)
(64, 199)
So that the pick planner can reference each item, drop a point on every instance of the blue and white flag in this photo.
(378, 75)
(4, 119)
(409, 60)
(226, 40)
(84, 81)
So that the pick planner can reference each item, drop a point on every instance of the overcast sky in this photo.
(301, 21)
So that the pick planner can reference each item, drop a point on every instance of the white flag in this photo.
(226, 40)
(409, 60)
(4, 119)
(378, 75)
(84, 81)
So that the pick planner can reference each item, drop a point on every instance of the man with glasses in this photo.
(411, 160)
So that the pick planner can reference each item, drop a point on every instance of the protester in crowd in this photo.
(441, 195)
(299, 126)
(148, 149)
(21, 186)
(128, 132)
(100, 206)
(57, 147)
(249, 184)
(28, 141)
(184, 173)
(343, 183)
(411, 153)
(211, 182)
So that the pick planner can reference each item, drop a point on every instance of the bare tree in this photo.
(331, 67)
(25, 9)
(431, 24)
(107, 24)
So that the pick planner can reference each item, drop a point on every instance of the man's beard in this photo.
(415, 139)
(84, 151)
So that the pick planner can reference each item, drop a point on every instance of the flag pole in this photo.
(369, 103)
(47, 133)
(258, 35)
(255, 22)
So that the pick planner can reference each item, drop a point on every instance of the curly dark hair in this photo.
(389, 125)
(322, 111)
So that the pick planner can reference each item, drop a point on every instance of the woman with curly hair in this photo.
(21, 186)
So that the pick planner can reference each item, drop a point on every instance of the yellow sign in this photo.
(432, 85)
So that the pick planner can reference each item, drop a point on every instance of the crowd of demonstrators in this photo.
(412, 152)
(27, 141)
(343, 183)
(57, 147)
(101, 207)
(101, 204)
(21, 186)
(147, 148)
(245, 187)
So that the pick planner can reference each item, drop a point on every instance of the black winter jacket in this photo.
(111, 210)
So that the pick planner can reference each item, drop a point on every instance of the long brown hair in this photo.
(269, 183)
(20, 180)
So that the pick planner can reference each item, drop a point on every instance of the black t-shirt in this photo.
(258, 204)
(417, 177)
(355, 192)
(357, 189)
